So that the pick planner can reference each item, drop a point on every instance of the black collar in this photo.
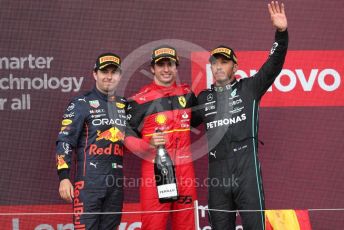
(223, 88)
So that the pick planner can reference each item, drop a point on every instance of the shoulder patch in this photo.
(205, 91)
(140, 94)
(81, 98)
(186, 88)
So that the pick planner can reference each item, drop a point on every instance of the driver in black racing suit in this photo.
(230, 113)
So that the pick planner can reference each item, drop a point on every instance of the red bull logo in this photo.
(113, 134)
(78, 206)
(114, 149)
(61, 163)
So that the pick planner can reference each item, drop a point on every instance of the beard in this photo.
(223, 80)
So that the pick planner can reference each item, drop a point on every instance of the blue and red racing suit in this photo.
(94, 125)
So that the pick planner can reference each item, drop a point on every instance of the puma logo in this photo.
(213, 153)
(94, 164)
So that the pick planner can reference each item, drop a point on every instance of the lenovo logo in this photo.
(308, 78)
(326, 79)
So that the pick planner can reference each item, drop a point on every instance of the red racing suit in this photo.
(170, 110)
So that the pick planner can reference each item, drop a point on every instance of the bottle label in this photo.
(167, 190)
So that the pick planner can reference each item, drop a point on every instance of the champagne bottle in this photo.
(165, 176)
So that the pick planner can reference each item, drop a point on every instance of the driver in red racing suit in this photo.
(166, 106)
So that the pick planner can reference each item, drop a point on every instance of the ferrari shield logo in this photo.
(182, 101)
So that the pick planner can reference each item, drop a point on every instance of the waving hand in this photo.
(278, 17)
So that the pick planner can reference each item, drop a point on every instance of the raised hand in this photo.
(278, 17)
